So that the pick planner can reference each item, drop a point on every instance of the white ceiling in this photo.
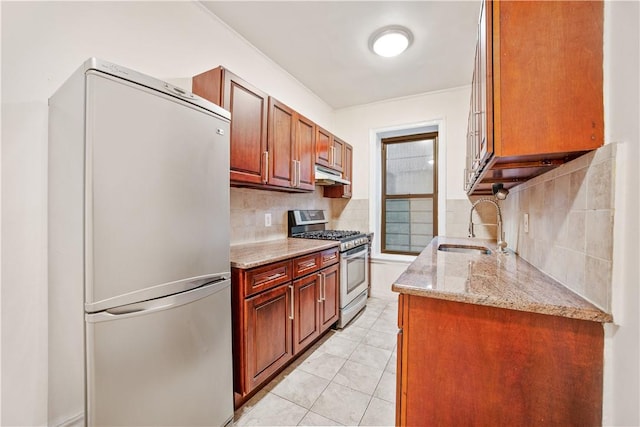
(324, 44)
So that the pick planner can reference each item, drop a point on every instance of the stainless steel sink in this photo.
(466, 249)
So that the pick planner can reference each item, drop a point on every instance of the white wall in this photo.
(451, 107)
(42, 44)
(622, 113)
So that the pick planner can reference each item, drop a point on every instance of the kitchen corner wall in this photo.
(570, 233)
(350, 214)
(484, 218)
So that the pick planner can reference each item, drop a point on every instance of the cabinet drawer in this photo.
(306, 264)
(266, 277)
(329, 257)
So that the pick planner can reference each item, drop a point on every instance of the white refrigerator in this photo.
(139, 274)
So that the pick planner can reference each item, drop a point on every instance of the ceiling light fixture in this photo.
(390, 41)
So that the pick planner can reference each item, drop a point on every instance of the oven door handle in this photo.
(356, 255)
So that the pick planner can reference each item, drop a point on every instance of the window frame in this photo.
(384, 197)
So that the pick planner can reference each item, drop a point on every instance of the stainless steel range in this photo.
(354, 274)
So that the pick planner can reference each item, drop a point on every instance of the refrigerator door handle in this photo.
(158, 304)
(154, 292)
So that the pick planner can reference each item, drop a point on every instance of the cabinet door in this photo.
(485, 85)
(281, 145)
(343, 191)
(306, 141)
(324, 142)
(306, 293)
(337, 157)
(249, 108)
(348, 170)
(267, 334)
(330, 296)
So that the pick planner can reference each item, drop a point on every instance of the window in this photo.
(409, 193)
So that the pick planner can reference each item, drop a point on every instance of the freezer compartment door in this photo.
(157, 191)
(165, 362)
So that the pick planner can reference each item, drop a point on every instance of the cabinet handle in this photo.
(324, 287)
(291, 289)
(332, 155)
(265, 167)
(275, 276)
(307, 265)
(320, 287)
(298, 162)
(294, 170)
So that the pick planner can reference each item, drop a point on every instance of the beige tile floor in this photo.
(346, 379)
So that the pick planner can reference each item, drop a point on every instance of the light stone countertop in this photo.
(496, 280)
(256, 254)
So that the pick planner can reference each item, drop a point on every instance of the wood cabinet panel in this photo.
(329, 305)
(291, 146)
(324, 142)
(262, 278)
(496, 364)
(306, 141)
(281, 145)
(249, 110)
(306, 312)
(337, 156)
(329, 257)
(343, 191)
(267, 334)
(306, 264)
(537, 98)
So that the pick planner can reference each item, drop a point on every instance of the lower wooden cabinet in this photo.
(329, 301)
(267, 334)
(273, 322)
(306, 328)
(467, 364)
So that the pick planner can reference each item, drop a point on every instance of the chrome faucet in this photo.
(500, 238)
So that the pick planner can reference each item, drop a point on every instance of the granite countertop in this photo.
(497, 280)
(256, 254)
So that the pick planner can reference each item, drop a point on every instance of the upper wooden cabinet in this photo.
(537, 98)
(272, 145)
(329, 150)
(249, 108)
(343, 191)
(291, 147)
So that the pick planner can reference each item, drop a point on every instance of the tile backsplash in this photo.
(249, 206)
(570, 233)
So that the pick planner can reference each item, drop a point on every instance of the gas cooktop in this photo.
(310, 224)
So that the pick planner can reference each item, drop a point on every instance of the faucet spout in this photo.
(500, 237)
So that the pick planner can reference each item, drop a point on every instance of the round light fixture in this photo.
(390, 41)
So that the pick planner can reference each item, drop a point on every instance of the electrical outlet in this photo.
(267, 220)
(526, 223)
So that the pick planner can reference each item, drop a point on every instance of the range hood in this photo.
(325, 176)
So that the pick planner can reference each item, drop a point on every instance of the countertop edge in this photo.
(548, 309)
(279, 250)
(573, 306)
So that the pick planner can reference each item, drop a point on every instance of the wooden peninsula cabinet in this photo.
(537, 92)
(279, 309)
(467, 364)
